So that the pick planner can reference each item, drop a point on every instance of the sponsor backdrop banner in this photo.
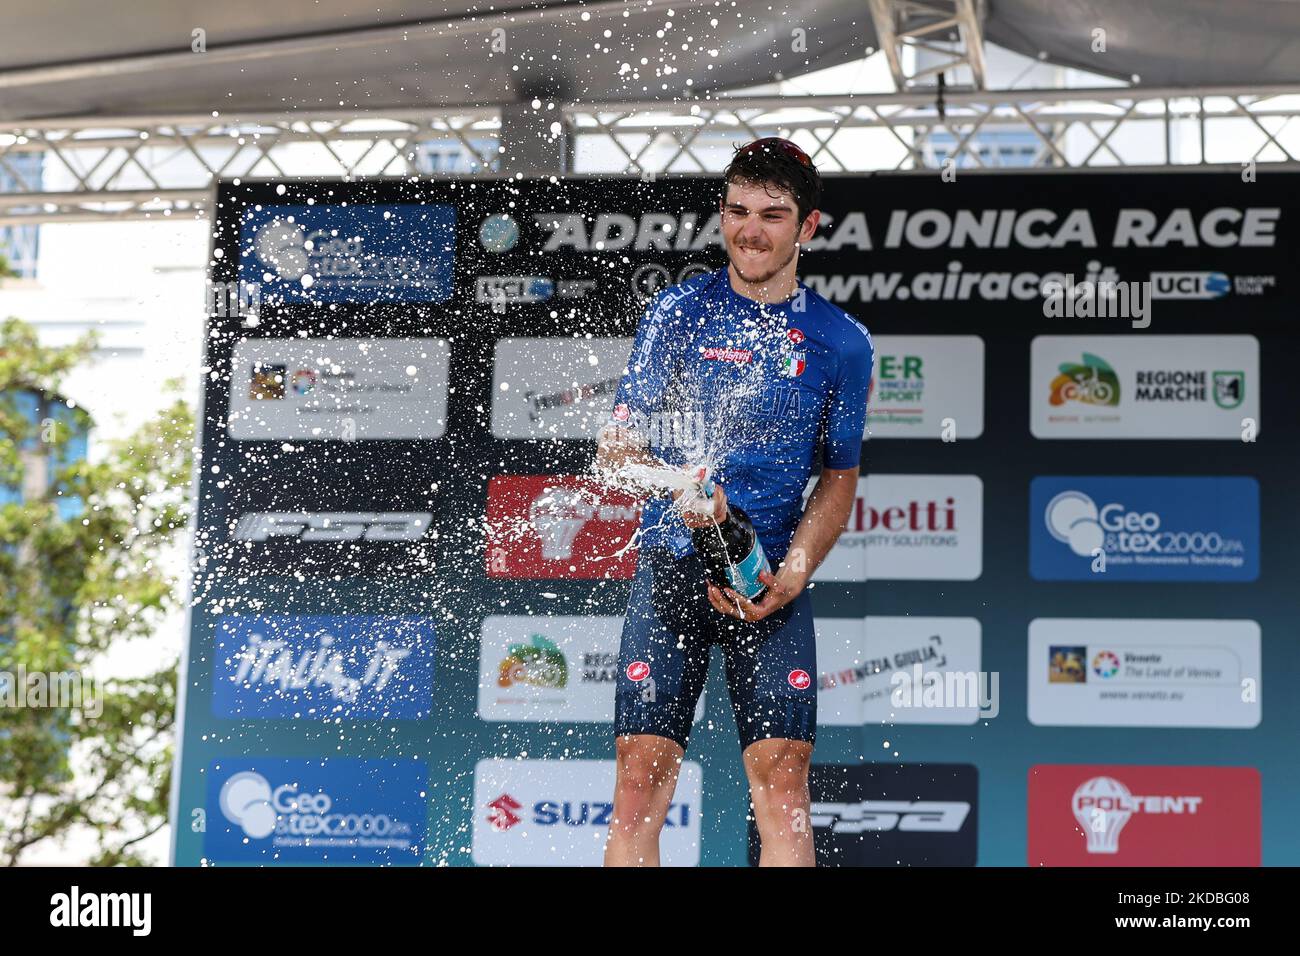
(1070, 567)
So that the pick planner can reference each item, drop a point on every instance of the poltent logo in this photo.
(1118, 815)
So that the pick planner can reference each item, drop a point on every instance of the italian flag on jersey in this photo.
(794, 364)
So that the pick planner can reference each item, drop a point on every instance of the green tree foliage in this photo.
(71, 587)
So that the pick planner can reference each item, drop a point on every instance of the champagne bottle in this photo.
(731, 551)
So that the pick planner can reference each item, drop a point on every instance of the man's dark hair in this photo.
(777, 162)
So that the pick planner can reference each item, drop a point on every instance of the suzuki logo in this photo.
(503, 815)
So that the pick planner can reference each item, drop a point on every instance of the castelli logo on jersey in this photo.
(621, 412)
(799, 680)
(795, 336)
(726, 354)
(638, 671)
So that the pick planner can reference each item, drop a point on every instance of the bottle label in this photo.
(744, 576)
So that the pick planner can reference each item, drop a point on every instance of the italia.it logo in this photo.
(1091, 382)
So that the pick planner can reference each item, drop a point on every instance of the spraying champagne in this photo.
(732, 554)
(731, 551)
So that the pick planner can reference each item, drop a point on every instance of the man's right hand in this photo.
(618, 446)
(695, 520)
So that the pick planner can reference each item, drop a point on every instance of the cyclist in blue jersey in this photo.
(753, 371)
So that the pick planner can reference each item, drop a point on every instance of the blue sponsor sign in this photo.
(353, 667)
(362, 253)
(332, 810)
(1144, 529)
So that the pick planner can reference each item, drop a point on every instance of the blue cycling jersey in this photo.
(755, 389)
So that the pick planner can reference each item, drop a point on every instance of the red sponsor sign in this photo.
(1118, 815)
(559, 526)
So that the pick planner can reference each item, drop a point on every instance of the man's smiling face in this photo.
(760, 227)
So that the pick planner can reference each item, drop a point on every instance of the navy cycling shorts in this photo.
(771, 665)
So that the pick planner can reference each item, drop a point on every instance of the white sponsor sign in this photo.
(542, 669)
(1099, 672)
(861, 662)
(557, 813)
(555, 387)
(920, 382)
(340, 389)
(910, 527)
(1143, 386)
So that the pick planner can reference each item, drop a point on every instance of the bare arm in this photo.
(823, 521)
(619, 445)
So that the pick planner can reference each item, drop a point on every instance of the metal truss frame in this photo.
(903, 25)
(154, 166)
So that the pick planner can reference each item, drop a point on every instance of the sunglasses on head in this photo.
(776, 142)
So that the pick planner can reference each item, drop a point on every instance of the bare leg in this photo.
(647, 767)
(778, 783)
